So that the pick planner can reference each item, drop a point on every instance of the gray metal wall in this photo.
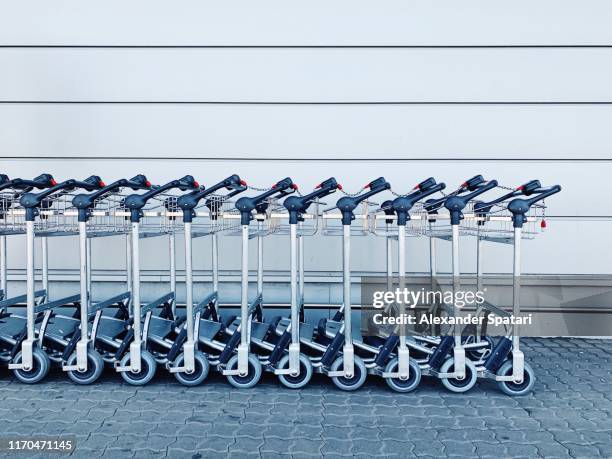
(353, 89)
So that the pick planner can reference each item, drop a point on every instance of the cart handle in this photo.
(472, 184)
(41, 182)
(455, 204)
(85, 202)
(31, 201)
(247, 205)
(135, 202)
(348, 204)
(403, 204)
(189, 201)
(526, 189)
(298, 205)
(520, 206)
(433, 205)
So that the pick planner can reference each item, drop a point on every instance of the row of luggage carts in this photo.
(83, 334)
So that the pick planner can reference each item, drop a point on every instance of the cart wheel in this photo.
(299, 381)
(512, 388)
(400, 385)
(200, 373)
(459, 385)
(252, 377)
(41, 365)
(148, 365)
(477, 355)
(95, 366)
(349, 384)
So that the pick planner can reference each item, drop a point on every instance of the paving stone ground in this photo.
(569, 414)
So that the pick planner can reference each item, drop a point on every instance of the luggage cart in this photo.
(189, 365)
(95, 215)
(456, 373)
(348, 371)
(136, 365)
(278, 341)
(506, 363)
(477, 344)
(31, 363)
(285, 358)
(243, 369)
(12, 223)
(400, 372)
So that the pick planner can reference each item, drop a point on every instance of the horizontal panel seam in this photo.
(318, 159)
(135, 46)
(374, 157)
(234, 102)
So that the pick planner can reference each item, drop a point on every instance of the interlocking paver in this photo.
(275, 445)
(567, 415)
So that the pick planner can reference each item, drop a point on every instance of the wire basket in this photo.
(497, 224)
(109, 217)
(386, 225)
(308, 226)
(12, 215)
(57, 216)
(332, 221)
(214, 215)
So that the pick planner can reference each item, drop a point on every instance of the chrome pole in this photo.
(136, 345)
(518, 358)
(89, 243)
(243, 348)
(44, 241)
(516, 287)
(172, 250)
(215, 262)
(432, 257)
(215, 267)
(84, 266)
(189, 347)
(459, 352)
(479, 262)
(294, 347)
(260, 259)
(348, 351)
(128, 262)
(403, 352)
(27, 346)
(3, 264)
(300, 239)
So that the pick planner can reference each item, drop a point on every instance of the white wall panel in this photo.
(306, 132)
(318, 22)
(307, 75)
